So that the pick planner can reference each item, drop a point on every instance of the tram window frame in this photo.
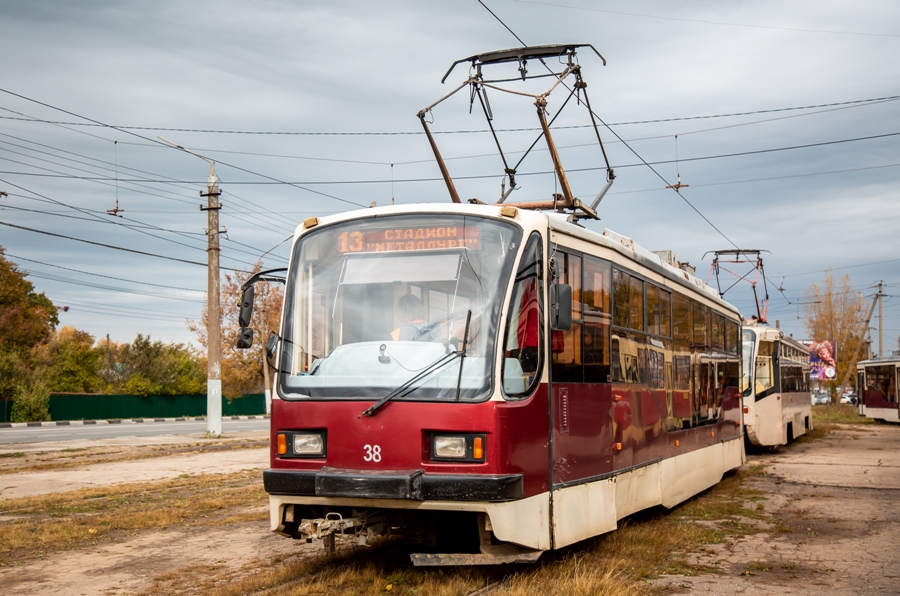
(569, 343)
(717, 331)
(628, 300)
(659, 315)
(732, 337)
(597, 313)
(682, 323)
(534, 243)
(700, 315)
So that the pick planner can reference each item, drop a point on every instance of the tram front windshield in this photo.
(376, 303)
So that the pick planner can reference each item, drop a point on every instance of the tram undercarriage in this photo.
(467, 534)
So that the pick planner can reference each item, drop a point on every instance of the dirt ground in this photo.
(837, 523)
(834, 504)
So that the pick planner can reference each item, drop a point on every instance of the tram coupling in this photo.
(364, 529)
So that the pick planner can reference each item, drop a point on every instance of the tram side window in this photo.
(682, 318)
(718, 332)
(880, 380)
(728, 375)
(658, 320)
(732, 338)
(628, 298)
(567, 345)
(793, 380)
(524, 324)
(597, 320)
(701, 324)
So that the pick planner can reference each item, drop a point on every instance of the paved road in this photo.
(108, 431)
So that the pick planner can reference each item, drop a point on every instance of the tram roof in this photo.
(892, 358)
(528, 219)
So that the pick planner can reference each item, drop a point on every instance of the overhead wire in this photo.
(544, 172)
(109, 220)
(61, 279)
(134, 281)
(122, 248)
(126, 131)
(117, 179)
(449, 132)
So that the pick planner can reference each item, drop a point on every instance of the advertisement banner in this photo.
(822, 359)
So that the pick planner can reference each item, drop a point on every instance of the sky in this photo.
(782, 118)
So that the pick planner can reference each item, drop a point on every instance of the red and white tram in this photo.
(876, 382)
(493, 373)
(775, 387)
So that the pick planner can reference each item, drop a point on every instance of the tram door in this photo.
(581, 400)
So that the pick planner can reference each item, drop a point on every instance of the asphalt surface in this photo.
(125, 429)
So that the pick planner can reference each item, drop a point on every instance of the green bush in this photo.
(32, 402)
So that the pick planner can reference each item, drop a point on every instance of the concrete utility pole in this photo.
(880, 323)
(213, 313)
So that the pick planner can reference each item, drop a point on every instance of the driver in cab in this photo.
(414, 327)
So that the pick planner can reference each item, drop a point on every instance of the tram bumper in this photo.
(415, 485)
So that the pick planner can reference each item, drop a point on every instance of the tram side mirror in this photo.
(560, 307)
(245, 338)
(246, 307)
(271, 344)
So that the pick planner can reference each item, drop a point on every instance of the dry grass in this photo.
(645, 546)
(840, 414)
(36, 461)
(64, 521)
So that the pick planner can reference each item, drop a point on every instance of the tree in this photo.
(836, 313)
(147, 367)
(242, 370)
(69, 361)
(27, 318)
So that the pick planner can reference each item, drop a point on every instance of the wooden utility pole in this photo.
(213, 313)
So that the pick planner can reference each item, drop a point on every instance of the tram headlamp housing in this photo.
(303, 444)
(458, 447)
(308, 444)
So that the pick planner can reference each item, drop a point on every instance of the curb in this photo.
(122, 421)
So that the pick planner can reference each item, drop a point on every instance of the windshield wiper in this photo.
(462, 355)
(434, 366)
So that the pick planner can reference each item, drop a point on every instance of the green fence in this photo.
(90, 406)
(5, 410)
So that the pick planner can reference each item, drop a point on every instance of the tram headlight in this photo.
(453, 447)
(309, 444)
(463, 447)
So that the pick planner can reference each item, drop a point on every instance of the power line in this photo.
(140, 252)
(105, 276)
(445, 132)
(57, 278)
(708, 22)
(159, 143)
(539, 173)
(116, 179)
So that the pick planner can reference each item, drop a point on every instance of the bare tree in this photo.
(242, 370)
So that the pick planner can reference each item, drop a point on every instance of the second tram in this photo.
(876, 382)
(775, 387)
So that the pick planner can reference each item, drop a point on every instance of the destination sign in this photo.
(410, 239)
